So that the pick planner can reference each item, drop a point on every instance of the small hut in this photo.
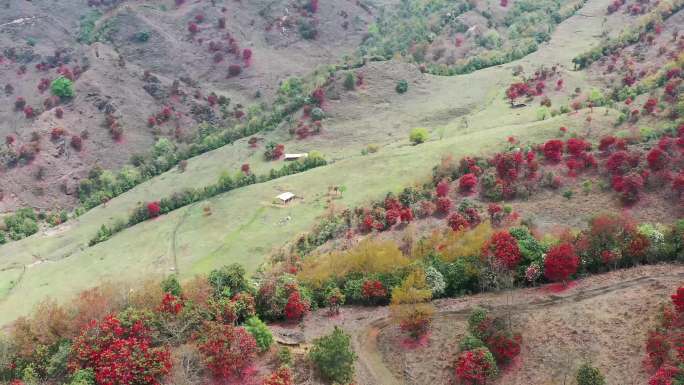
(290, 157)
(285, 197)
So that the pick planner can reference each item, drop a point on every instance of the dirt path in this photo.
(380, 364)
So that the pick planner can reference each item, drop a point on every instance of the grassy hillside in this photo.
(244, 226)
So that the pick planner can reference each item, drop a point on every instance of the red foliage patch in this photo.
(561, 262)
(120, 354)
(457, 222)
(153, 209)
(472, 367)
(504, 248)
(296, 308)
(553, 150)
(227, 350)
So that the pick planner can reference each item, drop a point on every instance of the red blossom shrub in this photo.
(508, 165)
(76, 142)
(678, 299)
(650, 106)
(657, 349)
(467, 182)
(245, 168)
(629, 187)
(153, 209)
(517, 90)
(678, 184)
(28, 112)
(457, 222)
(171, 304)
(227, 350)
(442, 188)
(473, 367)
(576, 146)
(553, 150)
(444, 205)
(618, 163)
(247, 57)
(664, 376)
(392, 203)
(561, 262)
(282, 376)
(319, 96)
(657, 159)
(496, 213)
(193, 28)
(373, 291)
(406, 215)
(504, 249)
(120, 354)
(57, 133)
(392, 217)
(296, 308)
(504, 348)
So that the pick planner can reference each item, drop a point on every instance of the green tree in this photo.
(418, 135)
(63, 87)
(333, 357)
(349, 81)
(402, 86)
(171, 285)
(589, 375)
(83, 377)
(229, 280)
(261, 333)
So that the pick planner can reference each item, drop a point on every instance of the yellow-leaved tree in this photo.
(451, 245)
(410, 306)
(370, 256)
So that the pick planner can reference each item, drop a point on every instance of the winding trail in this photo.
(366, 324)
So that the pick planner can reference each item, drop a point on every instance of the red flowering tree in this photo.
(504, 348)
(296, 307)
(444, 205)
(561, 262)
(392, 217)
(504, 249)
(76, 142)
(475, 367)
(457, 222)
(517, 90)
(226, 350)
(282, 376)
(318, 96)
(247, 57)
(496, 213)
(657, 159)
(406, 215)
(442, 188)
(678, 299)
(171, 304)
(467, 182)
(153, 209)
(373, 291)
(553, 150)
(576, 146)
(120, 354)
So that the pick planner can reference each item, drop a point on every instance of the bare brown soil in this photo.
(602, 318)
(112, 80)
